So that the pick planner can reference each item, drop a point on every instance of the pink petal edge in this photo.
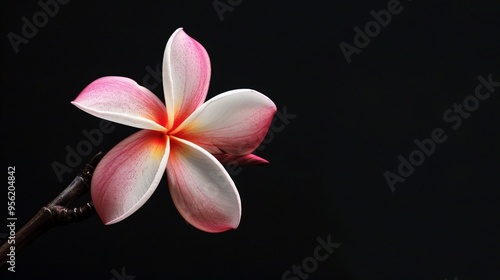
(123, 101)
(250, 159)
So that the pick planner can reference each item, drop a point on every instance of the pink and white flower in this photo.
(185, 137)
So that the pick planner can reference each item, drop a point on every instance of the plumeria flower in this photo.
(185, 137)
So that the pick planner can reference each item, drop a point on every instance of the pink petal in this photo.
(128, 175)
(201, 189)
(249, 159)
(123, 101)
(234, 122)
(186, 76)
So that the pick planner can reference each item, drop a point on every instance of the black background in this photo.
(352, 121)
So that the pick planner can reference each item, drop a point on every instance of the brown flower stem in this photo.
(55, 213)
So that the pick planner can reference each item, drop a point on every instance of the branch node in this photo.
(62, 215)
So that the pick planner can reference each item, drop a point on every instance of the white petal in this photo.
(201, 189)
(234, 122)
(186, 76)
